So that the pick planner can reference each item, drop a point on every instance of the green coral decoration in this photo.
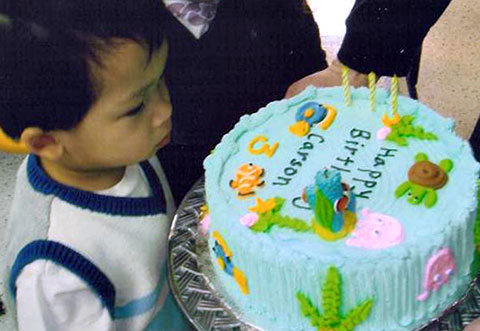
(475, 266)
(272, 217)
(332, 318)
(332, 296)
(405, 129)
(476, 227)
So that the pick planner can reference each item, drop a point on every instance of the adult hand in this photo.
(474, 326)
(332, 76)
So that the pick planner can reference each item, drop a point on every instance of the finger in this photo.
(474, 326)
(292, 91)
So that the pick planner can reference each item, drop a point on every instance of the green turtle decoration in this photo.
(424, 179)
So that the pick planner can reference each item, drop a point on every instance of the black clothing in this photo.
(255, 49)
(251, 53)
(475, 140)
(384, 36)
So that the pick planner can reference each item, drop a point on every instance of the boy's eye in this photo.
(135, 110)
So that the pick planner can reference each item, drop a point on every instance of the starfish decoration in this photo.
(262, 206)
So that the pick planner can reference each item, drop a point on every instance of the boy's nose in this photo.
(163, 107)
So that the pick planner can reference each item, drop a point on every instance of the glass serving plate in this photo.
(204, 302)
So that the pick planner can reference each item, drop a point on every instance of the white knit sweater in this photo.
(80, 260)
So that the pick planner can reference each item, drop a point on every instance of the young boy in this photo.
(81, 84)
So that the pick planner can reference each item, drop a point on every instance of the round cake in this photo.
(327, 214)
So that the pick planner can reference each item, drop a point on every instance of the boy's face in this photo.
(130, 118)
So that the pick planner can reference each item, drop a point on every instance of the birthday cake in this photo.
(335, 212)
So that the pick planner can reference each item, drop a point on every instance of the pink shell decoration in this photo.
(249, 219)
(383, 133)
(205, 224)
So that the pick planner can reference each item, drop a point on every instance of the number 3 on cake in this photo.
(265, 147)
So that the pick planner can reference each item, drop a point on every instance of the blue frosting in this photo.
(280, 263)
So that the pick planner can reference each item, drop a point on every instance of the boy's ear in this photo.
(41, 143)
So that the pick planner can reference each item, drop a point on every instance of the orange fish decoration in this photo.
(247, 179)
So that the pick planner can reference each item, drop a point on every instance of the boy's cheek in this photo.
(164, 92)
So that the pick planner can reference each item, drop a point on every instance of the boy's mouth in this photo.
(164, 141)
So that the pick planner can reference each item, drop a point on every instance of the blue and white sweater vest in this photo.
(117, 245)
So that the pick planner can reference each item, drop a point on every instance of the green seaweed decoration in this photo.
(475, 267)
(272, 217)
(332, 319)
(323, 210)
(405, 129)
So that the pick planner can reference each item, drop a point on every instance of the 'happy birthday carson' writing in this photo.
(364, 181)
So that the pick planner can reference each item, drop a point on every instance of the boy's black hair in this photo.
(45, 50)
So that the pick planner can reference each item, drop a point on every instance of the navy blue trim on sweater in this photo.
(152, 178)
(69, 259)
(121, 206)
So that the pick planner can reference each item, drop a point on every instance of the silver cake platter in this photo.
(201, 298)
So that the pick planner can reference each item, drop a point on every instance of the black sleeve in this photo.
(385, 35)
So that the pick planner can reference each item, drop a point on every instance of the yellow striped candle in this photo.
(371, 85)
(346, 86)
(394, 94)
